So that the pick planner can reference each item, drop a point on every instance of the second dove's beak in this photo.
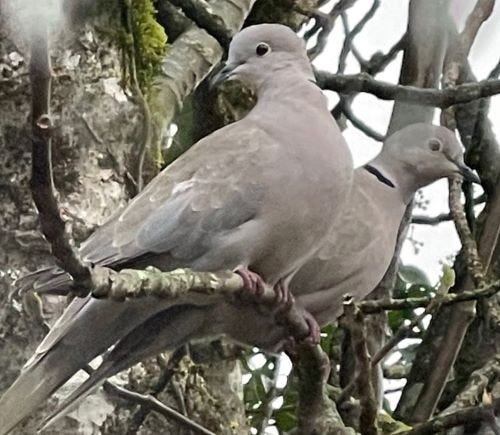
(222, 75)
(468, 174)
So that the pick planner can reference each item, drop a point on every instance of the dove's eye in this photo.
(435, 145)
(262, 49)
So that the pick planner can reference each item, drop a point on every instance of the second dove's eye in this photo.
(262, 49)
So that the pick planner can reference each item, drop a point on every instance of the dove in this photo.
(353, 258)
(256, 197)
(357, 253)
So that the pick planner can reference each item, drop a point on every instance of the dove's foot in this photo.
(314, 330)
(283, 296)
(251, 280)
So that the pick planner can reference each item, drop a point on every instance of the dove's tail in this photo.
(166, 330)
(87, 328)
(34, 385)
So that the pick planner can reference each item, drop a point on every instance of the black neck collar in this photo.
(379, 175)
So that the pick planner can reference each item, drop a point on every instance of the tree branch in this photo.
(363, 82)
(364, 368)
(42, 184)
(458, 418)
(375, 306)
(324, 23)
(151, 402)
(351, 35)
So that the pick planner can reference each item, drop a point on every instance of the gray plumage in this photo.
(258, 194)
(357, 253)
(352, 259)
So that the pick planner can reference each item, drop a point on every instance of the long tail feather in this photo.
(166, 330)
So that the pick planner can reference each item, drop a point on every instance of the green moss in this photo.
(150, 41)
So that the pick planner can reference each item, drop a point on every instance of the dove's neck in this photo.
(405, 180)
(286, 86)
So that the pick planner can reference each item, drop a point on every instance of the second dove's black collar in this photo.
(379, 175)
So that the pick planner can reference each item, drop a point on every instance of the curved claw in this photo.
(283, 295)
(314, 336)
(251, 280)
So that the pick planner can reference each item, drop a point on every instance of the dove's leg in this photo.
(251, 280)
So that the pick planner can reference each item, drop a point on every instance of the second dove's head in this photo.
(261, 52)
(429, 152)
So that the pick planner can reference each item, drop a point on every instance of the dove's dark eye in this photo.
(435, 145)
(262, 49)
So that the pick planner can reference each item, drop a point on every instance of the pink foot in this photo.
(251, 280)
(314, 336)
(283, 296)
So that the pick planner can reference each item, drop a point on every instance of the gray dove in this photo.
(357, 253)
(352, 259)
(256, 197)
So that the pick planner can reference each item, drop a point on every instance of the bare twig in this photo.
(324, 23)
(42, 184)
(379, 61)
(458, 418)
(469, 247)
(363, 381)
(404, 330)
(363, 82)
(351, 35)
(375, 306)
(345, 105)
(151, 402)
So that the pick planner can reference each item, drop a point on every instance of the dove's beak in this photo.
(468, 174)
(224, 73)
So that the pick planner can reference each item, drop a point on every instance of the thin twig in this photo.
(379, 61)
(463, 416)
(473, 262)
(363, 380)
(376, 306)
(42, 184)
(324, 23)
(404, 330)
(351, 35)
(346, 108)
(151, 402)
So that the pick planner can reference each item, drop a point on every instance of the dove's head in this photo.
(262, 52)
(427, 153)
